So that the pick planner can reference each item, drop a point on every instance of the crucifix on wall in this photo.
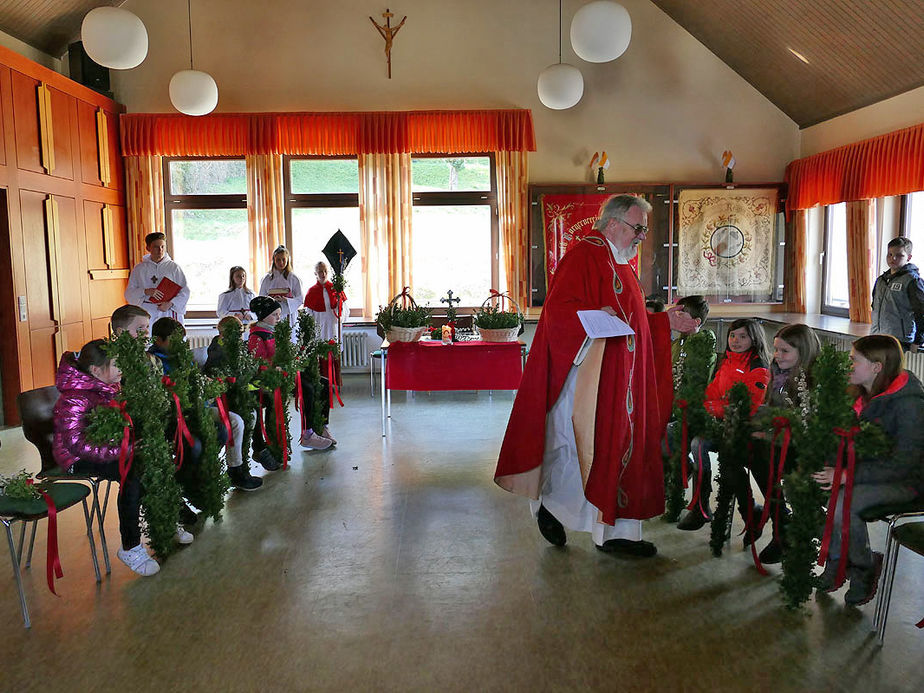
(388, 33)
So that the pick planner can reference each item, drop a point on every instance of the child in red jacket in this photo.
(745, 361)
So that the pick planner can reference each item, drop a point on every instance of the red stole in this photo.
(314, 299)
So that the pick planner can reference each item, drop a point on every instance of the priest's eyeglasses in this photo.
(638, 228)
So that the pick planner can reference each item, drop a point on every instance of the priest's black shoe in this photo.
(624, 547)
(693, 520)
(551, 528)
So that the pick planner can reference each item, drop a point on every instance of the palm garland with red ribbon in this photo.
(312, 352)
(690, 392)
(147, 403)
(110, 424)
(22, 486)
(276, 381)
(192, 392)
(238, 372)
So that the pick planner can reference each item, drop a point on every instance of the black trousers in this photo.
(129, 499)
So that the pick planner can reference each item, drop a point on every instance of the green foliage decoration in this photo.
(240, 365)
(691, 379)
(18, 486)
(313, 351)
(148, 405)
(280, 374)
(733, 433)
(493, 318)
(208, 481)
(394, 315)
(104, 425)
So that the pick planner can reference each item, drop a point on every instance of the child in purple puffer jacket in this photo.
(86, 381)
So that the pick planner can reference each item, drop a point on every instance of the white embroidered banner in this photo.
(726, 241)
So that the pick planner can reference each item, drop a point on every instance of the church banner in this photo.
(565, 219)
(726, 241)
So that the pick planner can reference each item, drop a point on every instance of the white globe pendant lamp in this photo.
(193, 92)
(600, 31)
(114, 38)
(560, 86)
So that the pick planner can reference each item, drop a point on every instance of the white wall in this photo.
(14, 44)
(896, 113)
(664, 111)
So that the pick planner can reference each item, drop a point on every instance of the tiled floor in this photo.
(396, 564)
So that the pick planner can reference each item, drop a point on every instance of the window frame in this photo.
(904, 224)
(314, 200)
(826, 308)
(202, 201)
(461, 198)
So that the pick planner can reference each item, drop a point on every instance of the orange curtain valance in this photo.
(891, 164)
(327, 134)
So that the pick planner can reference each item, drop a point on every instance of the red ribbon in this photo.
(497, 294)
(300, 400)
(52, 558)
(749, 528)
(126, 449)
(182, 430)
(333, 390)
(682, 405)
(775, 477)
(222, 404)
(281, 436)
(696, 500)
(847, 441)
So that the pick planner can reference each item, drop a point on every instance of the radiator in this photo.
(197, 340)
(355, 350)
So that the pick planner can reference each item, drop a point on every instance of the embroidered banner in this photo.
(565, 219)
(726, 241)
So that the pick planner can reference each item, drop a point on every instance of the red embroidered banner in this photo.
(565, 219)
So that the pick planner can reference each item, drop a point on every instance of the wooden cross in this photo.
(388, 33)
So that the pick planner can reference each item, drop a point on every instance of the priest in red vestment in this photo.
(583, 440)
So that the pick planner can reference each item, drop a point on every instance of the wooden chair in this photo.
(36, 409)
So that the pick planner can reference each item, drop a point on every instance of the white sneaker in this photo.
(312, 441)
(326, 434)
(138, 560)
(182, 536)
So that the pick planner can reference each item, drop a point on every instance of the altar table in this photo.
(434, 366)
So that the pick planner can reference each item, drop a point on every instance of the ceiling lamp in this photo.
(114, 38)
(561, 85)
(600, 31)
(193, 92)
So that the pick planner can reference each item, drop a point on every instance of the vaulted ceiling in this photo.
(854, 52)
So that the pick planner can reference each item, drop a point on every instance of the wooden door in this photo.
(107, 259)
(100, 162)
(44, 119)
(53, 281)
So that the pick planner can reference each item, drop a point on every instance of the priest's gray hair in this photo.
(618, 206)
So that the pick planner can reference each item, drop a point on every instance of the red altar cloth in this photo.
(433, 365)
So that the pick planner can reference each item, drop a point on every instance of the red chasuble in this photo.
(634, 396)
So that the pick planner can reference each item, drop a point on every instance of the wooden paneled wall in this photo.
(63, 240)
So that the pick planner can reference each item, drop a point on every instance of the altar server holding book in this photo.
(282, 284)
(157, 284)
(236, 300)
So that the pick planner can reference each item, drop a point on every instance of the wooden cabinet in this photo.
(63, 241)
(100, 161)
(44, 118)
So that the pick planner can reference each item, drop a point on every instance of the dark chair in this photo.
(892, 514)
(14, 510)
(36, 409)
(909, 535)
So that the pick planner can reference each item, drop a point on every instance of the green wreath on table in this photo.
(148, 405)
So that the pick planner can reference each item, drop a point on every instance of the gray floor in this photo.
(396, 564)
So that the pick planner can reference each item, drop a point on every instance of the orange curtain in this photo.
(144, 201)
(327, 134)
(892, 164)
(794, 268)
(265, 211)
(861, 224)
(513, 213)
(385, 227)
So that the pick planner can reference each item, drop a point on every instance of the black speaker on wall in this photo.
(86, 72)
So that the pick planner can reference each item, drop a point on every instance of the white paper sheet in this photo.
(599, 323)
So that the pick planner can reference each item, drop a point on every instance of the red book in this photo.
(168, 288)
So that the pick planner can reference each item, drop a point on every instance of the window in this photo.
(836, 298)
(913, 227)
(454, 228)
(206, 218)
(322, 196)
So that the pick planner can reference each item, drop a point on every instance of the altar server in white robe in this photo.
(282, 284)
(326, 305)
(142, 288)
(236, 300)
